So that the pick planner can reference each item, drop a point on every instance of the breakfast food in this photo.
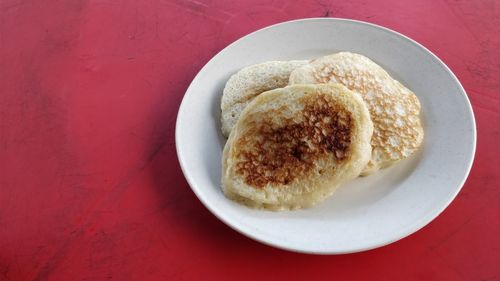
(394, 109)
(292, 147)
(249, 82)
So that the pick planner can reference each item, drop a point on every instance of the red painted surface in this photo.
(90, 186)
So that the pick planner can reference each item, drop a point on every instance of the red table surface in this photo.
(91, 188)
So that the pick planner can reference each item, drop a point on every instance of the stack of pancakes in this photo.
(298, 129)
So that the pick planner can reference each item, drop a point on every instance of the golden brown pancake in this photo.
(394, 109)
(292, 147)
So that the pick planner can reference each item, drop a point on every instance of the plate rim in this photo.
(405, 234)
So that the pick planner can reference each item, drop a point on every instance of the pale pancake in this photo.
(248, 83)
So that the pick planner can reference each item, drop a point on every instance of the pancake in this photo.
(292, 147)
(394, 109)
(248, 83)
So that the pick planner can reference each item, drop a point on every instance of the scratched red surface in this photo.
(90, 184)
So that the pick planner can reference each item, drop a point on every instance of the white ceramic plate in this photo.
(368, 212)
